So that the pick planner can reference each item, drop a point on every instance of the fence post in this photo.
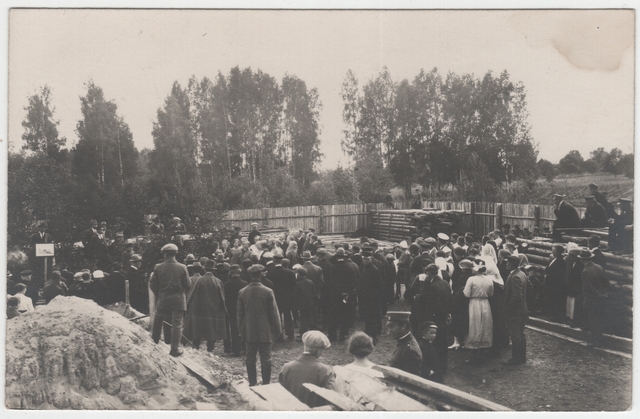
(265, 216)
(448, 205)
(536, 217)
(321, 219)
(498, 217)
(473, 217)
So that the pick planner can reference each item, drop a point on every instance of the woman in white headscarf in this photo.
(478, 289)
(496, 301)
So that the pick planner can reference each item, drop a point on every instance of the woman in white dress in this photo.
(478, 289)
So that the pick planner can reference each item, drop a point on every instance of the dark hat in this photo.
(301, 271)
(557, 195)
(219, 258)
(255, 269)
(593, 185)
(116, 266)
(432, 267)
(246, 262)
(234, 267)
(428, 325)
(321, 251)
(189, 258)
(586, 198)
(340, 254)
(373, 244)
(223, 267)
(196, 265)
(135, 258)
(585, 253)
(203, 260)
(306, 255)
(311, 229)
(26, 272)
(398, 316)
(367, 251)
(211, 264)
(514, 259)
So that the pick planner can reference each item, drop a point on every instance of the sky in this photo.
(577, 66)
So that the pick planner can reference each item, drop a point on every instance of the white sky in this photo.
(577, 66)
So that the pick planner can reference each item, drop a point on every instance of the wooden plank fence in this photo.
(480, 217)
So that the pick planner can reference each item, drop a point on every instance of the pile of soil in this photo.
(73, 354)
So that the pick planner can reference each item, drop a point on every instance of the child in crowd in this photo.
(430, 366)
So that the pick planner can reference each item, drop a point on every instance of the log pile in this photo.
(398, 225)
(619, 308)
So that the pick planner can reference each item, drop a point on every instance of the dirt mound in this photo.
(73, 354)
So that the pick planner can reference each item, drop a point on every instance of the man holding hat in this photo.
(254, 233)
(231, 291)
(566, 216)
(259, 324)
(206, 310)
(308, 369)
(407, 355)
(595, 215)
(284, 281)
(594, 285)
(170, 282)
(515, 310)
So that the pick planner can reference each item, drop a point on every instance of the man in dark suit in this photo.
(116, 284)
(554, 285)
(231, 291)
(138, 291)
(515, 310)
(621, 228)
(322, 260)
(370, 300)
(340, 291)
(593, 243)
(566, 216)
(407, 356)
(595, 286)
(87, 235)
(595, 216)
(284, 280)
(602, 200)
(41, 236)
(316, 275)
(259, 324)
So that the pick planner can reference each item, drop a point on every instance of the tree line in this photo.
(614, 161)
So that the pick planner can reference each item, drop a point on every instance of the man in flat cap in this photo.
(259, 324)
(231, 291)
(601, 198)
(407, 355)
(515, 310)
(566, 216)
(594, 287)
(595, 216)
(308, 369)
(170, 282)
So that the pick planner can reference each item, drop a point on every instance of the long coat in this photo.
(370, 298)
(231, 291)
(595, 216)
(304, 294)
(206, 310)
(315, 274)
(573, 276)
(566, 216)
(515, 301)
(594, 283)
(407, 356)
(258, 315)
(138, 291)
(284, 279)
(555, 288)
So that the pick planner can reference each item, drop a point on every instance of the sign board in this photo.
(45, 250)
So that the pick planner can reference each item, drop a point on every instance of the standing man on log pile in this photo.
(602, 200)
(515, 310)
(595, 215)
(407, 356)
(566, 216)
(259, 324)
(595, 285)
(554, 285)
(621, 228)
(170, 282)
(573, 281)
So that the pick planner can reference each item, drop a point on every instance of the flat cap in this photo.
(98, 274)
(26, 272)
(246, 262)
(432, 267)
(321, 251)
(466, 264)
(556, 195)
(234, 267)
(301, 271)
(513, 259)
(398, 316)
(315, 339)
(255, 269)
(593, 185)
(169, 247)
(176, 219)
(254, 224)
(138, 258)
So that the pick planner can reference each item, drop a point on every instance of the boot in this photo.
(196, 343)
(266, 374)
(210, 345)
(252, 374)
(176, 334)
(522, 351)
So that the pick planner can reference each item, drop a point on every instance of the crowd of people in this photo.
(252, 292)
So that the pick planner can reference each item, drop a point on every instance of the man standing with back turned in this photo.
(170, 282)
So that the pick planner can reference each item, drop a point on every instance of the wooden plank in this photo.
(279, 397)
(200, 371)
(334, 398)
(457, 396)
(384, 397)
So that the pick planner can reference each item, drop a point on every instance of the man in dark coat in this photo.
(116, 284)
(566, 216)
(87, 235)
(138, 290)
(54, 287)
(460, 305)
(304, 296)
(573, 281)
(341, 294)
(370, 296)
(284, 280)
(308, 369)
(100, 249)
(99, 290)
(125, 258)
(595, 286)
(41, 236)
(322, 261)
(231, 291)
(259, 324)
(407, 356)
(515, 310)
(593, 243)
(554, 284)
(595, 215)
(621, 228)
(206, 310)
(315, 274)
(602, 200)
(156, 228)
(425, 258)
(32, 287)
(254, 233)
(170, 282)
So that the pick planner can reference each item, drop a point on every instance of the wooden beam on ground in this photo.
(279, 397)
(458, 397)
(200, 371)
(386, 398)
(336, 399)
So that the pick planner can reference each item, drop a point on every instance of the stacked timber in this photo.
(398, 225)
(619, 308)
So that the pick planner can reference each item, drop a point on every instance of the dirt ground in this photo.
(559, 375)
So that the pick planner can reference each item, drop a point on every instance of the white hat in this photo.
(403, 244)
(176, 219)
(443, 236)
(169, 247)
(254, 224)
(267, 255)
(296, 266)
(315, 339)
(98, 274)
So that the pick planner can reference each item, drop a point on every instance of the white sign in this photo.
(45, 250)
